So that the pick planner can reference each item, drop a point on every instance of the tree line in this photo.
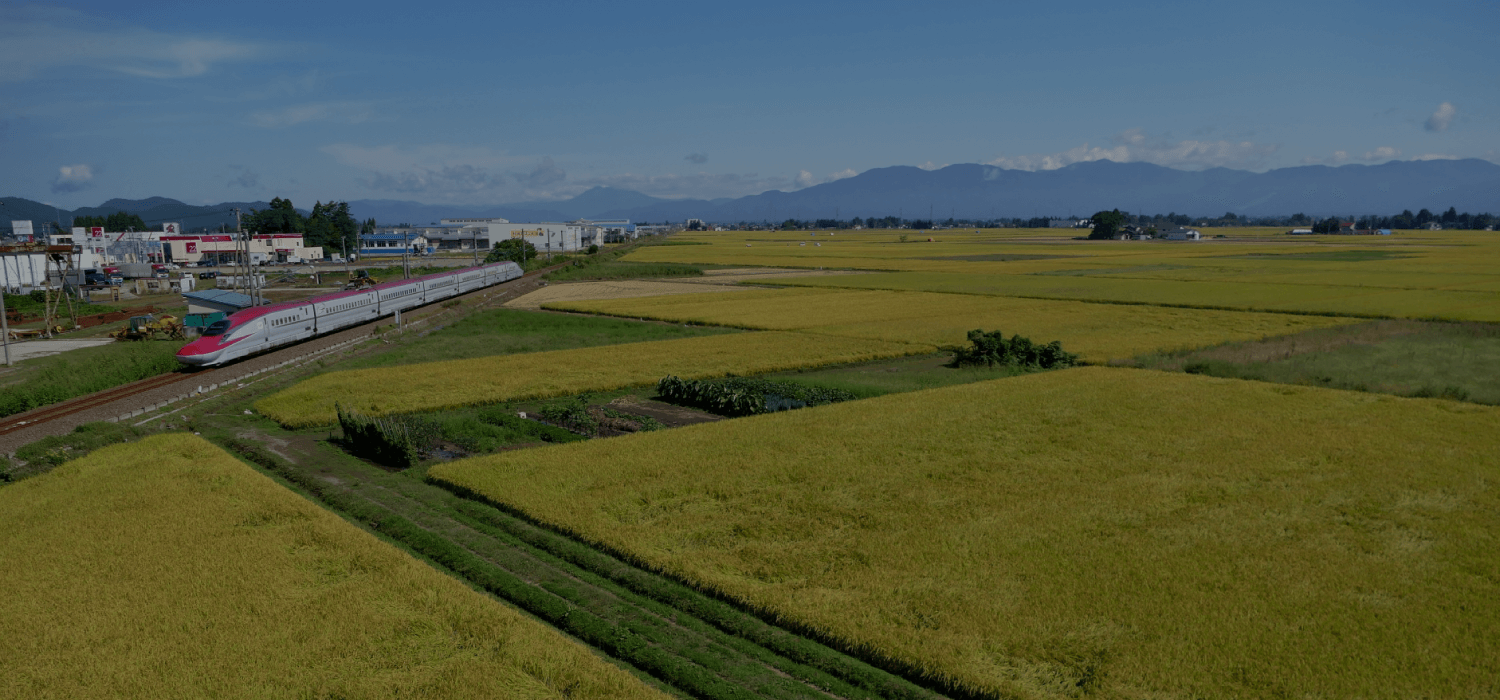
(1451, 219)
(330, 225)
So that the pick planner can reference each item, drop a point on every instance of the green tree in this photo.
(332, 226)
(282, 217)
(512, 249)
(118, 221)
(1106, 224)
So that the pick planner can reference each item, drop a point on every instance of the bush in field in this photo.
(742, 396)
(573, 412)
(994, 348)
(395, 441)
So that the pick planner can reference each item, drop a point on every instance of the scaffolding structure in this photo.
(18, 271)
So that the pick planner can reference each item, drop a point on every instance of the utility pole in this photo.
(474, 243)
(238, 277)
(4, 326)
(405, 256)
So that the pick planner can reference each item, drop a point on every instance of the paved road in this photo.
(26, 350)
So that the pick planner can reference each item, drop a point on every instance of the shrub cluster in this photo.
(394, 441)
(573, 413)
(577, 415)
(993, 348)
(745, 396)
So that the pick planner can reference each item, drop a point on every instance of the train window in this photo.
(217, 327)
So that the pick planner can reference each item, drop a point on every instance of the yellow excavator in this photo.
(149, 327)
(360, 279)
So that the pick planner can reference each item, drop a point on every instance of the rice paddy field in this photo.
(493, 379)
(168, 569)
(1092, 531)
(1098, 332)
(1413, 274)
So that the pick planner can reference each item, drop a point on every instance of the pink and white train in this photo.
(262, 328)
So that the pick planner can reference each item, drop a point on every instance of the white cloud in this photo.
(1434, 156)
(804, 179)
(38, 38)
(345, 112)
(929, 165)
(842, 174)
(1135, 146)
(1383, 153)
(1440, 119)
(72, 178)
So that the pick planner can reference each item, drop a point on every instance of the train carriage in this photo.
(289, 322)
(470, 279)
(344, 309)
(253, 330)
(400, 296)
(439, 286)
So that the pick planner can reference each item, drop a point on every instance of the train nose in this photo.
(193, 354)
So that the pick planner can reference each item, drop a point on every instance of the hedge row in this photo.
(395, 441)
(744, 396)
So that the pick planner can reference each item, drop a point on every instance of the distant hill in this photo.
(597, 203)
(388, 212)
(157, 210)
(18, 209)
(983, 191)
(969, 191)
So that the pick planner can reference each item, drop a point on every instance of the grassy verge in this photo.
(51, 452)
(1459, 361)
(586, 269)
(46, 380)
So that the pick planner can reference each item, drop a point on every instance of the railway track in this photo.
(46, 414)
(84, 403)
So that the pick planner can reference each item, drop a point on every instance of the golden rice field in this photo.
(1099, 332)
(1417, 274)
(1110, 532)
(482, 380)
(168, 569)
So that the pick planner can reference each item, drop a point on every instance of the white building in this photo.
(1182, 234)
(546, 237)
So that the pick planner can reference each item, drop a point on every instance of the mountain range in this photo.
(965, 191)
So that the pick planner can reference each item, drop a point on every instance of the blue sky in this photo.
(482, 103)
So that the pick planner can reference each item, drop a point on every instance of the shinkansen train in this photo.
(262, 328)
